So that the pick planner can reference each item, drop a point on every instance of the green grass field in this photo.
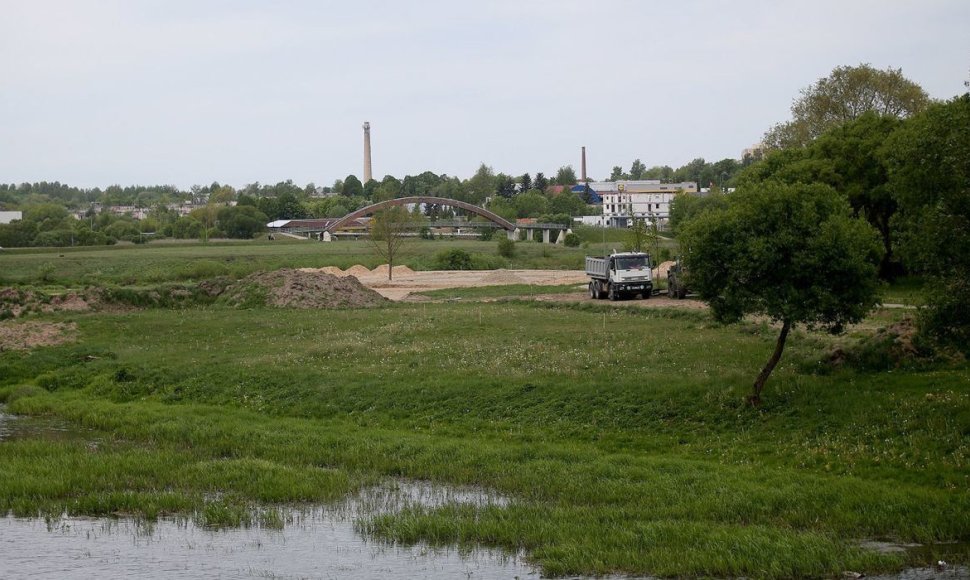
(620, 435)
(166, 261)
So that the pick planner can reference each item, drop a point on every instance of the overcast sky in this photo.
(94, 93)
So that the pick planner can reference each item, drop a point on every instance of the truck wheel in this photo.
(611, 293)
(593, 291)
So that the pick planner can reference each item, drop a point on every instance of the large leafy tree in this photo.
(352, 187)
(793, 253)
(929, 161)
(566, 176)
(481, 185)
(846, 94)
(241, 221)
(637, 169)
(849, 158)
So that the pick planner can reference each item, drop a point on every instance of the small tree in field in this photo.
(388, 233)
(789, 252)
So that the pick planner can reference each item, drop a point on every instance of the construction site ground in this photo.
(406, 284)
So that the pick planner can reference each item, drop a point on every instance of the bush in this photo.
(506, 248)
(572, 240)
(456, 259)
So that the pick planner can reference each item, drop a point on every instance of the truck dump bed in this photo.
(597, 266)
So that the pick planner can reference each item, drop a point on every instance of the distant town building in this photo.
(756, 151)
(647, 199)
(8, 216)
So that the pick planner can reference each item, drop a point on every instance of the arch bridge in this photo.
(512, 230)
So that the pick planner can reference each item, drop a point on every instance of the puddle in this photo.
(947, 573)
(319, 542)
(13, 427)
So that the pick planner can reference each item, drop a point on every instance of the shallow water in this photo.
(13, 427)
(314, 543)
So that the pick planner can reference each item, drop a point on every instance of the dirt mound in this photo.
(357, 270)
(660, 272)
(15, 302)
(28, 335)
(402, 271)
(502, 277)
(298, 289)
(891, 347)
(380, 270)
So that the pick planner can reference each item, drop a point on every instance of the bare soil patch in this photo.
(28, 335)
(659, 301)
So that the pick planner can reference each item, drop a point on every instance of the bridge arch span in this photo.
(479, 211)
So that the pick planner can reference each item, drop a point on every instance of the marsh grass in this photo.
(619, 436)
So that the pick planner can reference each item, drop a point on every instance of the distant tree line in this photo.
(56, 214)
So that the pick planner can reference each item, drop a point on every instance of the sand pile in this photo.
(380, 270)
(402, 271)
(357, 270)
(501, 277)
(660, 272)
(299, 289)
(332, 270)
(27, 335)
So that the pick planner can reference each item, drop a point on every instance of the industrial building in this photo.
(648, 199)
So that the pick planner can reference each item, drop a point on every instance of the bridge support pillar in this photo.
(326, 237)
(546, 236)
(513, 234)
(561, 237)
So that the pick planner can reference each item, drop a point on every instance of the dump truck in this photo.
(619, 275)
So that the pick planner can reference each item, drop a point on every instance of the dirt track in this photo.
(405, 283)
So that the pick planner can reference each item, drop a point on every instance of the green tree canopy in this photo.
(566, 176)
(929, 163)
(846, 94)
(849, 158)
(241, 221)
(352, 186)
(793, 253)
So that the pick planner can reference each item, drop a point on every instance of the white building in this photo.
(8, 216)
(648, 199)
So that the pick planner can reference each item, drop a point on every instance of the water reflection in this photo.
(316, 542)
(13, 427)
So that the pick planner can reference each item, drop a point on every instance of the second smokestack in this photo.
(583, 170)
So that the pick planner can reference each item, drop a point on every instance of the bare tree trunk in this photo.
(759, 383)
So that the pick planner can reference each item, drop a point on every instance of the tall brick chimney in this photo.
(368, 173)
(583, 170)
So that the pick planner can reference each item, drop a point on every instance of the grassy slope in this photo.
(620, 435)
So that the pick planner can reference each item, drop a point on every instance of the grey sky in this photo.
(183, 92)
